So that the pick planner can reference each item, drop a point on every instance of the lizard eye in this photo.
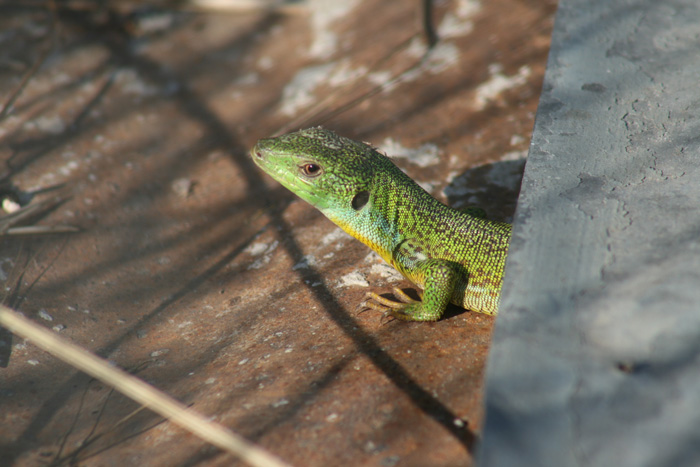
(310, 169)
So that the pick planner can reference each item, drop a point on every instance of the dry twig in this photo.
(137, 390)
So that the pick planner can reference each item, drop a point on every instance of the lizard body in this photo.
(455, 257)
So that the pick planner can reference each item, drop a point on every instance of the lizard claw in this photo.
(362, 307)
(391, 309)
(386, 319)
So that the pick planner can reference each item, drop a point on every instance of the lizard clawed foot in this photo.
(390, 308)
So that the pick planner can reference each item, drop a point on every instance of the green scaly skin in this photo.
(455, 257)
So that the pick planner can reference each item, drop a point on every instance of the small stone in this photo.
(158, 353)
(43, 314)
(183, 187)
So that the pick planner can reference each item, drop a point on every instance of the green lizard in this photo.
(452, 255)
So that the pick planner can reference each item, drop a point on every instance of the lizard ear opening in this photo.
(360, 200)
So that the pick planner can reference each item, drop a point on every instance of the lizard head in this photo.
(333, 173)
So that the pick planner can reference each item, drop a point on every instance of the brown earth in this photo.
(203, 276)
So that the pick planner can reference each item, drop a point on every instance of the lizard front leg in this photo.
(439, 280)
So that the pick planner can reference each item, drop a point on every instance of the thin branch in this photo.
(137, 390)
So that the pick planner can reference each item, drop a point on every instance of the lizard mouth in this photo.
(263, 159)
(260, 157)
(257, 153)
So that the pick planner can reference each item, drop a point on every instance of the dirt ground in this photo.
(204, 277)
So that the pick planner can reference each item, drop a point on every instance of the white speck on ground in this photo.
(306, 261)
(324, 13)
(298, 93)
(53, 125)
(385, 271)
(373, 257)
(65, 170)
(150, 24)
(61, 79)
(344, 73)
(131, 83)
(265, 63)
(428, 186)
(442, 56)
(452, 26)
(335, 235)
(247, 79)
(379, 78)
(258, 248)
(497, 83)
(158, 353)
(460, 22)
(423, 156)
(439, 58)
(467, 8)
(451, 176)
(353, 279)
(416, 48)
(514, 155)
(43, 314)
(264, 249)
(516, 139)
(182, 186)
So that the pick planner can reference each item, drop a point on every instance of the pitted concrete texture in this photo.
(596, 355)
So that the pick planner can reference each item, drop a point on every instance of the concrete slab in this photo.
(596, 356)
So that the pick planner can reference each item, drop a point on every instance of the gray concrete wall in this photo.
(596, 355)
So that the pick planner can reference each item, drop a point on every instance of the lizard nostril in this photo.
(258, 154)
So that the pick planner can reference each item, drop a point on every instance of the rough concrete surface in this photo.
(204, 277)
(596, 355)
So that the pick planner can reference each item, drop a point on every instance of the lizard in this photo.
(453, 256)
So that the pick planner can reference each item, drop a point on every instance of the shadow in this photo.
(493, 187)
(38, 147)
(5, 347)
